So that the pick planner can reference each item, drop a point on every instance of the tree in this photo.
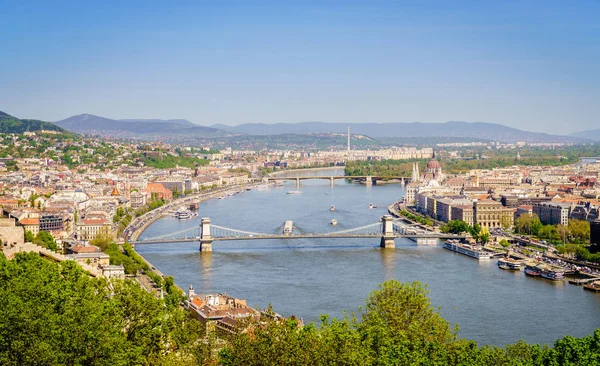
(484, 236)
(46, 240)
(563, 232)
(548, 232)
(29, 237)
(504, 243)
(455, 227)
(102, 240)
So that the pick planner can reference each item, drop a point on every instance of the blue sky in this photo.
(525, 64)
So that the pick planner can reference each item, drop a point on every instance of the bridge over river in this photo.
(387, 229)
(367, 179)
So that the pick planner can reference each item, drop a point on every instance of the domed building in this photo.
(433, 171)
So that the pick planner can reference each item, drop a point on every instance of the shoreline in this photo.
(159, 213)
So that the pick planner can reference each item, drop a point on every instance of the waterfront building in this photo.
(552, 213)
(491, 214)
(463, 213)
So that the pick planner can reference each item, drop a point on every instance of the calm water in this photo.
(312, 277)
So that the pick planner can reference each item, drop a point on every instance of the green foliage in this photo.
(419, 219)
(46, 240)
(170, 161)
(54, 314)
(385, 168)
(504, 243)
(10, 124)
(528, 224)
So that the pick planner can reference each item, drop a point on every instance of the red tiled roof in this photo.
(29, 221)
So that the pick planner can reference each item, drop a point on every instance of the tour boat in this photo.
(333, 222)
(183, 214)
(508, 263)
(466, 249)
(295, 193)
(332, 208)
(533, 270)
(553, 274)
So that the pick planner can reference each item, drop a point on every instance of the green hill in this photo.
(10, 124)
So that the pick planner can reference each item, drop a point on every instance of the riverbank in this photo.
(138, 226)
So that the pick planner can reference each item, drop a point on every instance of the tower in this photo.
(348, 141)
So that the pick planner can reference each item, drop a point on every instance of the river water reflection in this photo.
(327, 276)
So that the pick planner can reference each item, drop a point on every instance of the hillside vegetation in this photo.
(10, 124)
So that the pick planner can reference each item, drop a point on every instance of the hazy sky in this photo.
(528, 64)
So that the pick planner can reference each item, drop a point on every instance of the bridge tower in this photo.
(205, 238)
(369, 181)
(387, 236)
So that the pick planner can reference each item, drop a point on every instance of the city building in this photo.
(552, 213)
(491, 214)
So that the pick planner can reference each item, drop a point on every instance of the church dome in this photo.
(433, 165)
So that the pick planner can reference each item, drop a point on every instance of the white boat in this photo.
(332, 208)
(333, 222)
(295, 193)
(467, 249)
(372, 205)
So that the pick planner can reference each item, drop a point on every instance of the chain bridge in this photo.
(387, 229)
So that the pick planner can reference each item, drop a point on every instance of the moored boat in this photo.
(333, 222)
(554, 274)
(594, 286)
(467, 249)
(509, 264)
(533, 269)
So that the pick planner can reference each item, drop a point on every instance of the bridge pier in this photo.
(369, 181)
(205, 238)
(331, 180)
(387, 237)
(297, 182)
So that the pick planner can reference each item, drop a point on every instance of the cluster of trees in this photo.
(419, 219)
(171, 161)
(155, 202)
(55, 314)
(458, 227)
(577, 231)
(43, 239)
(385, 168)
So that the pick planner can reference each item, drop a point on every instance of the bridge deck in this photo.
(302, 236)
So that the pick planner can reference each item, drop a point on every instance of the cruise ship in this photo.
(469, 250)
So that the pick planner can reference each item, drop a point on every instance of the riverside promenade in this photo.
(138, 225)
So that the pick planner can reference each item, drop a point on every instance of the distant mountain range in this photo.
(475, 130)
(90, 124)
(179, 128)
(588, 134)
(11, 124)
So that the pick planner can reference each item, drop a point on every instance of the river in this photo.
(329, 276)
